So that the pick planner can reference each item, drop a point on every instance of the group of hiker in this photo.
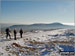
(15, 33)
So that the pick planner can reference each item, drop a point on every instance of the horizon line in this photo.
(40, 23)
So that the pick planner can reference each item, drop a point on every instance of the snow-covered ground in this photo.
(37, 43)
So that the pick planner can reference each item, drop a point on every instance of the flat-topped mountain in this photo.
(42, 26)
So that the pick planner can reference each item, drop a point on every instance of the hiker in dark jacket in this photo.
(15, 32)
(21, 32)
(8, 33)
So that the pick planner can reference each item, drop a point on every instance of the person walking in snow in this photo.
(21, 32)
(8, 33)
(15, 32)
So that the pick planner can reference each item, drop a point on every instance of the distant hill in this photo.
(41, 26)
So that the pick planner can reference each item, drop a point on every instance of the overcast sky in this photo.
(29, 12)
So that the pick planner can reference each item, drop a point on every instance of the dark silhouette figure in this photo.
(8, 33)
(15, 32)
(21, 32)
